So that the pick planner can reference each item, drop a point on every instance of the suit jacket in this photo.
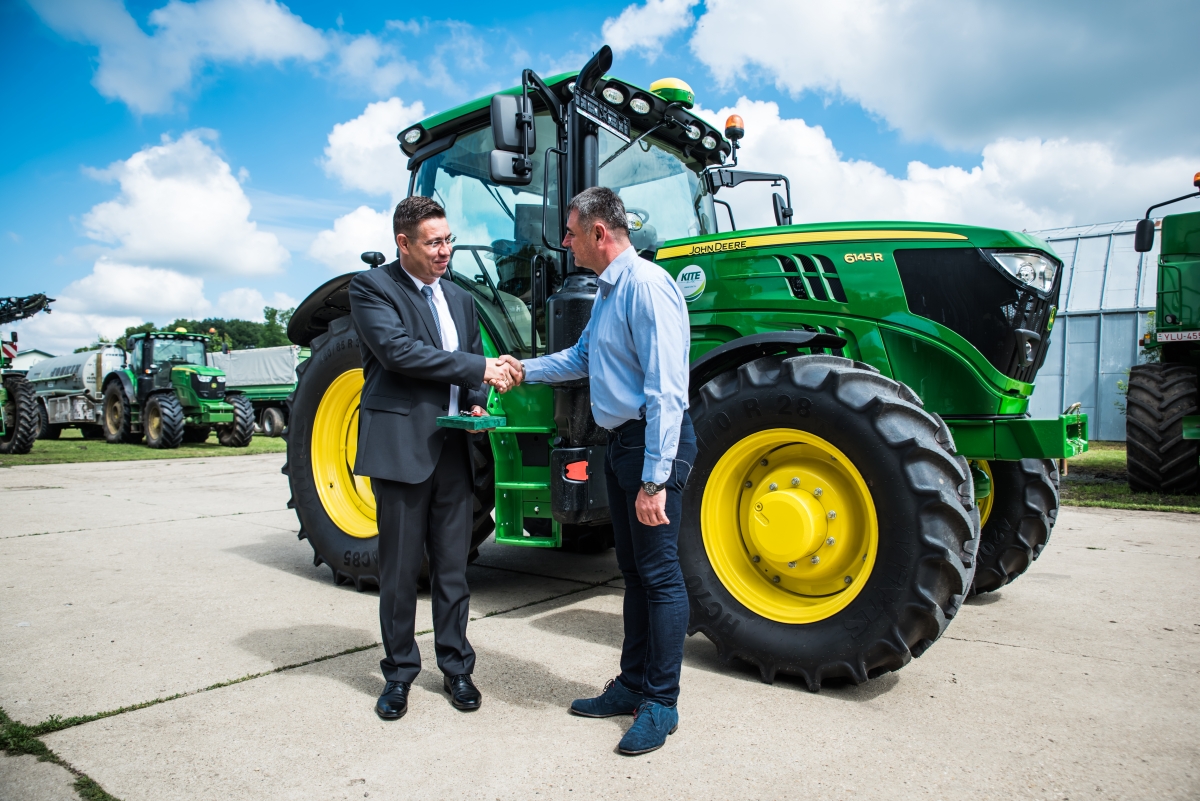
(406, 374)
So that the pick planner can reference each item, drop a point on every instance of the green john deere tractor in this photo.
(859, 390)
(19, 422)
(167, 393)
(1162, 417)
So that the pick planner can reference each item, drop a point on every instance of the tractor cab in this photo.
(174, 360)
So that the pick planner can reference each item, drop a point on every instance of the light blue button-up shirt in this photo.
(635, 349)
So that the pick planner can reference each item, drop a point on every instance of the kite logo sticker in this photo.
(691, 282)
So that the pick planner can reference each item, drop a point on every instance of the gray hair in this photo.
(600, 204)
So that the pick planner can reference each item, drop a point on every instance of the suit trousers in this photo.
(433, 517)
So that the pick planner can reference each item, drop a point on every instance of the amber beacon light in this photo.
(735, 129)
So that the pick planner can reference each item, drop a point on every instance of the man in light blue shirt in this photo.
(635, 351)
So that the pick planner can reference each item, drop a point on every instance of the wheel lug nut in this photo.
(818, 492)
(754, 559)
(791, 564)
(829, 541)
(847, 579)
(749, 484)
(774, 579)
(795, 482)
(832, 514)
(816, 560)
(763, 462)
(773, 486)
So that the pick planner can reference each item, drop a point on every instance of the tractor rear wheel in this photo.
(828, 529)
(195, 434)
(1157, 457)
(21, 421)
(1016, 519)
(336, 508)
(163, 421)
(272, 422)
(238, 433)
(118, 416)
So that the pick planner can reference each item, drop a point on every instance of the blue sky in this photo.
(181, 158)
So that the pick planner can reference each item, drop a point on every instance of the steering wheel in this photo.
(642, 216)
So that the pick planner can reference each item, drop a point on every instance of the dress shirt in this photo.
(449, 332)
(635, 349)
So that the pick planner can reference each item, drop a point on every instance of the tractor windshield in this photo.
(177, 351)
(499, 229)
(661, 188)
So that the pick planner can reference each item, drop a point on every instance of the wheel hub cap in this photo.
(347, 499)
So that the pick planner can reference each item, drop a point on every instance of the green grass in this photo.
(73, 448)
(17, 739)
(1098, 478)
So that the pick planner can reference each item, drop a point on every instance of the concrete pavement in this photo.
(135, 583)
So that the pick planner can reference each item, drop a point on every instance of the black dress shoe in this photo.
(463, 694)
(394, 702)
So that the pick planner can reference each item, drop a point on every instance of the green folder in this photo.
(470, 422)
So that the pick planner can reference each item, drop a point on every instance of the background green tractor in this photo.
(859, 390)
(19, 423)
(167, 393)
(1162, 417)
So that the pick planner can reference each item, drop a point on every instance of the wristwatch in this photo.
(650, 488)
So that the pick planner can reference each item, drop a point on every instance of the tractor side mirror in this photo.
(513, 134)
(783, 215)
(1143, 236)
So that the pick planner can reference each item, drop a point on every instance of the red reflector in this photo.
(577, 471)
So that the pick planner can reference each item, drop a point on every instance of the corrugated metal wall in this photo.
(1107, 291)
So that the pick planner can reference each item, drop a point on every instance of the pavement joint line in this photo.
(17, 739)
(543, 575)
(1070, 653)
(146, 523)
(574, 591)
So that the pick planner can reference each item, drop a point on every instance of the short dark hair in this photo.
(600, 204)
(412, 211)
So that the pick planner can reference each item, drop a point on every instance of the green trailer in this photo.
(167, 394)
(1162, 417)
(265, 377)
(860, 390)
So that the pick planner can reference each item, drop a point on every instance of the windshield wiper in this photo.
(667, 120)
(495, 193)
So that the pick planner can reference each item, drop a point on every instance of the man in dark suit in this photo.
(422, 358)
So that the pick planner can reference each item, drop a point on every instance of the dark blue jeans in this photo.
(656, 604)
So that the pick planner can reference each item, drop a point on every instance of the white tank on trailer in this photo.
(71, 387)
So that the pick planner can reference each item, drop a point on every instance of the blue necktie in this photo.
(427, 291)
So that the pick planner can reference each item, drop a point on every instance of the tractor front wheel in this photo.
(272, 421)
(164, 421)
(336, 508)
(238, 433)
(21, 421)
(1158, 458)
(1016, 519)
(828, 529)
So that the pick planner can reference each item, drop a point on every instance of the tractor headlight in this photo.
(613, 95)
(639, 105)
(1032, 269)
(693, 132)
(709, 142)
(412, 136)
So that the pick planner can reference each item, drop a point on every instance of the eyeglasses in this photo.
(436, 244)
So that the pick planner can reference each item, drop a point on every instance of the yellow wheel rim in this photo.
(985, 504)
(789, 526)
(153, 422)
(347, 498)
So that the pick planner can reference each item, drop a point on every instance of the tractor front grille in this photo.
(963, 290)
(208, 387)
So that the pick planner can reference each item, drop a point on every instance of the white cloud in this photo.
(968, 72)
(147, 71)
(180, 207)
(363, 153)
(245, 303)
(1021, 184)
(353, 234)
(111, 298)
(645, 27)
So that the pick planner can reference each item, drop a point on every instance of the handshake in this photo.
(503, 373)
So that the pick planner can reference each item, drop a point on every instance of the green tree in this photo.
(122, 341)
(274, 332)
